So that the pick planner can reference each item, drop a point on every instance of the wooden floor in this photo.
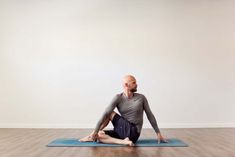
(216, 142)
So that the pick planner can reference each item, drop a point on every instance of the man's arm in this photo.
(153, 121)
(150, 116)
(106, 113)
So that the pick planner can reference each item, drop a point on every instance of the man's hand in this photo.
(161, 138)
(94, 136)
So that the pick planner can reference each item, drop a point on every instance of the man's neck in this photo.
(128, 94)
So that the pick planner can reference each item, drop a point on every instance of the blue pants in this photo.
(123, 128)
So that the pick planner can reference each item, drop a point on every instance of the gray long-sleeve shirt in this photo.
(131, 109)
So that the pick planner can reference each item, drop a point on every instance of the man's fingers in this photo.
(94, 137)
(165, 141)
(162, 140)
(158, 141)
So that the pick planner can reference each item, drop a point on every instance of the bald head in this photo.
(129, 83)
(128, 78)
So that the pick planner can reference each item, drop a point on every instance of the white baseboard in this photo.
(162, 125)
(18, 125)
(193, 125)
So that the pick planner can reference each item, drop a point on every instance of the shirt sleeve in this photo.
(107, 112)
(150, 116)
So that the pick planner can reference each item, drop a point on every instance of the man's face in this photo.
(132, 85)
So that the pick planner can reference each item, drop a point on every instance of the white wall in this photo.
(61, 62)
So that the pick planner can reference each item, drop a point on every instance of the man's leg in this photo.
(103, 138)
(103, 125)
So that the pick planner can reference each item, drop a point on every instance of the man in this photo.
(128, 125)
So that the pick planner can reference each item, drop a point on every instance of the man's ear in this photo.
(126, 84)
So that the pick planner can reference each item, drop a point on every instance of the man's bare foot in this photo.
(86, 139)
(128, 142)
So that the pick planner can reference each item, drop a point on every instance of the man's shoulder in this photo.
(140, 95)
(119, 95)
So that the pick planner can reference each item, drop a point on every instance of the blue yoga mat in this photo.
(72, 142)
